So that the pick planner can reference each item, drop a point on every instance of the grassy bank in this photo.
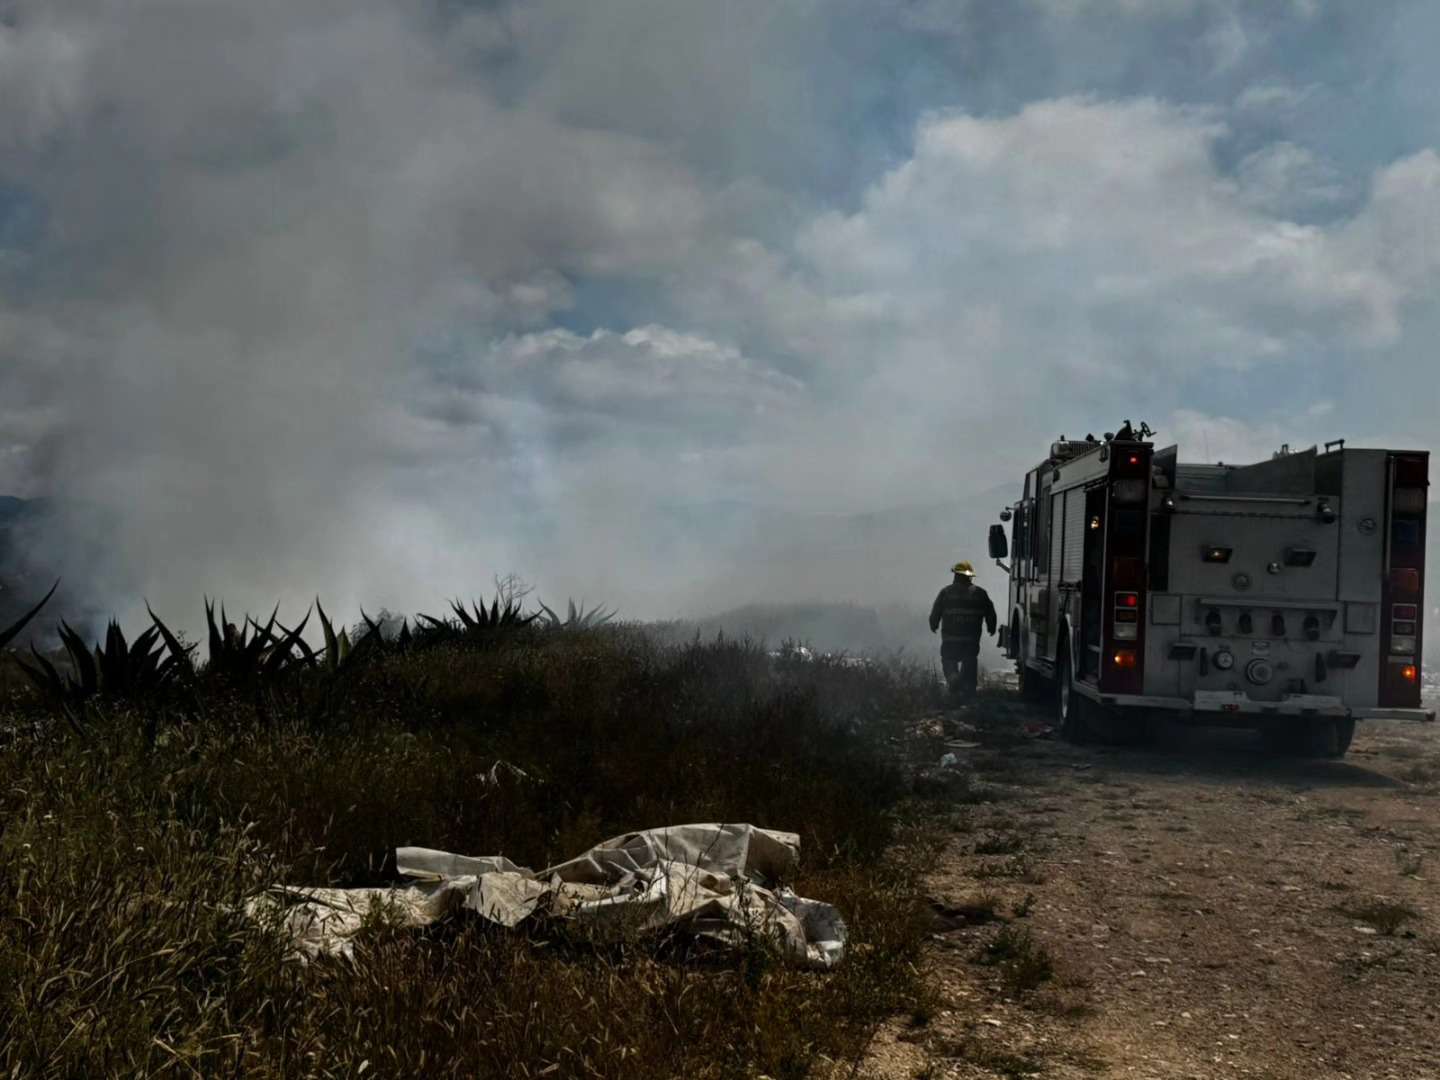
(126, 852)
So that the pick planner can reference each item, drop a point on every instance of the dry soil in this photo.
(1209, 910)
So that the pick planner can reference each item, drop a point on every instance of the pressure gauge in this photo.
(1224, 659)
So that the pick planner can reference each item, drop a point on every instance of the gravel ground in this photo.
(1204, 909)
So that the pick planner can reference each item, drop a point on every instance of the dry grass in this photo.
(125, 856)
(1024, 962)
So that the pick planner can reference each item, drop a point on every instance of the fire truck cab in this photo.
(1285, 595)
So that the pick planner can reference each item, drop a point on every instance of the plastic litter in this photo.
(716, 882)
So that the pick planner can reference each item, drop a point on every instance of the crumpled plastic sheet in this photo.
(712, 881)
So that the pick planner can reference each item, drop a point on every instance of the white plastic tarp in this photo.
(714, 881)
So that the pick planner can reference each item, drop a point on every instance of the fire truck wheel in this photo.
(1328, 738)
(1033, 686)
(1116, 727)
(1070, 706)
(1331, 738)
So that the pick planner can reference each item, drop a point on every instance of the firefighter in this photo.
(958, 613)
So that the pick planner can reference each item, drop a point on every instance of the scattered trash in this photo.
(1038, 731)
(949, 761)
(709, 881)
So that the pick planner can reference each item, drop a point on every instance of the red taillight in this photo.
(1401, 635)
(1127, 600)
(1131, 463)
(1405, 582)
(1124, 659)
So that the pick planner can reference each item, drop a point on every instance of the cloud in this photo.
(1061, 268)
(1289, 181)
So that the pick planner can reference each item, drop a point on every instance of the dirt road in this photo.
(1195, 908)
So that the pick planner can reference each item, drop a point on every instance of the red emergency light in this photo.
(1127, 600)
(1410, 673)
(1405, 581)
(1124, 660)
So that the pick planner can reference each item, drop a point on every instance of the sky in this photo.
(378, 300)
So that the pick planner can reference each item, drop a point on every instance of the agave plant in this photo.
(250, 651)
(477, 625)
(578, 618)
(116, 670)
(11, 632)
(338, 648)
(374, 636)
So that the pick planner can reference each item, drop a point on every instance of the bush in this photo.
(126, 856)
(1024, 963)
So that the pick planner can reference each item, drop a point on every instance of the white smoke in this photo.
(378, 300)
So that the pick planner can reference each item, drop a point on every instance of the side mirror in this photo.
(999, 543)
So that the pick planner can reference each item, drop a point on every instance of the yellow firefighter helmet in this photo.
(963, 568)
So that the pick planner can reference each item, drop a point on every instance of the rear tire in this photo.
(1327, 738)
(1117, 727)
(1033, 685)
(1070, 706)
(1331, 738)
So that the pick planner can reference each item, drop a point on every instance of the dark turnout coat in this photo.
(959, 611)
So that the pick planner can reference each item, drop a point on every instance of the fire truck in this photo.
(1285, 595)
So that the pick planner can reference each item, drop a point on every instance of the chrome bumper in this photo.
(1233, 703)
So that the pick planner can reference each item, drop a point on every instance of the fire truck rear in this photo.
(1285, 595)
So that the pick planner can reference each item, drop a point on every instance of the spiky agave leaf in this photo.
(253, 650)
(283, 653)
(113, 659)
(86, 671)
(470, 622)
(44, 675)
(372, 627)
(11, 632)
(216, 641)
(307, 656)
(578, 618)
(372, 642)
(179, 659)
(332, 643)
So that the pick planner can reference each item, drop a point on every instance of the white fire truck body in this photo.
(1285, 592)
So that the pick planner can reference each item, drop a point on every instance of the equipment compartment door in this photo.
(1092, 594)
